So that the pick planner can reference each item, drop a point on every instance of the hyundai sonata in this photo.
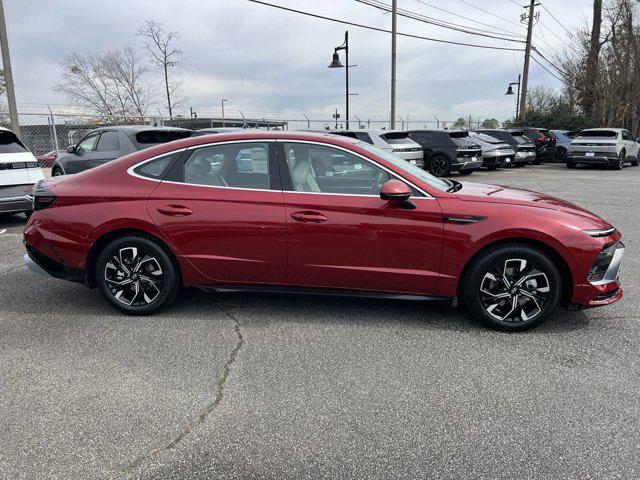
(300, 212)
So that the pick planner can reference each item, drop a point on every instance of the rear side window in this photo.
(156, 168)
(149, 138)
(9, 143)
(108, 141)
(462, 139)
(363, 136)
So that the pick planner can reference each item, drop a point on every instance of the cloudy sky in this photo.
(268, 61)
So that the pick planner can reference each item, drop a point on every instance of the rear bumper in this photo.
(16, 198)
(524, 157)
(40, 263)
(595, 160)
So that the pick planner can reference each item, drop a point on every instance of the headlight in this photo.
(599, 232)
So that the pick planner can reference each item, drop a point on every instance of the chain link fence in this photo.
(47, 134)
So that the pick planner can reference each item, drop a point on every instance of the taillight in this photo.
(541, 139)
(42, 196)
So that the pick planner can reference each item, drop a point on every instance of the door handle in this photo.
(309, 217)
(175, 211)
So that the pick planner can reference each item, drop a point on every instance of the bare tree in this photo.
(165, 55)
(110, 84)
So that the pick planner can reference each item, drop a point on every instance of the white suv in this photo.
(603, 146)
(19, 171)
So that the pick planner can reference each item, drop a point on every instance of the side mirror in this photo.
(398, 192)
(71, 149)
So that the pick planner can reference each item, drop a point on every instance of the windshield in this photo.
(598, 133)
(485, 138)
(397, 138)
(461, 139)
(435, 182)
(520, 138)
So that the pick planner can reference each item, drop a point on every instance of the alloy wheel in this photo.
(514, 291)
(133, 276)
(439, 166)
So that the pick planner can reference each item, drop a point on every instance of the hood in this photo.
(477, 192)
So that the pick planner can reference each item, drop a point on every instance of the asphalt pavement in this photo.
(279, 386)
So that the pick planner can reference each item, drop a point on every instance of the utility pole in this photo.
(8, 75)
(527, 55)
(394, 14)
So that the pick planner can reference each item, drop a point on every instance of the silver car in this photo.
(495, 153)
(394, 141)
(603, 146)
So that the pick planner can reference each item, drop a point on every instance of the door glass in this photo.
(320, 169)
(86, 145)
(240, 165)
(108, 141)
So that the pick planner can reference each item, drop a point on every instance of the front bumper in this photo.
(16, 198)
(464, 164)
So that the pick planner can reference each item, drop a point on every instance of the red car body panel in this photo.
(269, 237)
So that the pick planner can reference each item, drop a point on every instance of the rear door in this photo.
(221, 206)
(342, 235)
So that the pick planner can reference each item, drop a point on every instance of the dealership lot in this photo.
(255, 386)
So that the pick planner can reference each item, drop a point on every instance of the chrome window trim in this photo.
(131, 169)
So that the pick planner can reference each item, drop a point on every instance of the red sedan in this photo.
(302, 211)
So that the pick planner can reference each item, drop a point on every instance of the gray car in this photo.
(523, 146)
(104, 144)
(394, 141)
(495, 153)
(603, 146)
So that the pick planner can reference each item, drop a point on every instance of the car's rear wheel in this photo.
(571, 164)
(439, 166)
(465, 172)
(136, 274)
(512, 287)
(561, 155)
(619, 165)
(636, 160)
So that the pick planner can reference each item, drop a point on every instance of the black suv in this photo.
(544, 141)
(523, 146)
(108, 143)
(445, 152)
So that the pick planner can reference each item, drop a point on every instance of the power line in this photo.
(432, 21)
(369, 27)
(547, 70)
(470, 19)
(554, 34)
(558, 21)
(491, 13)
(551, 64)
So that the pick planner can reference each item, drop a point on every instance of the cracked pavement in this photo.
(275, 386)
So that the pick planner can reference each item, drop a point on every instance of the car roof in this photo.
(140, 128)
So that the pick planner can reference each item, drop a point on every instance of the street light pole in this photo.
(394, 11)
(335, 63)
(510, 92)
(8, 75)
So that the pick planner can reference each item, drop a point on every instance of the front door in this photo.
(107, 148)
(341, 234)
(80, 160)
(221, 206)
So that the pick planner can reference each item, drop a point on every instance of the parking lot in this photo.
(274, 386)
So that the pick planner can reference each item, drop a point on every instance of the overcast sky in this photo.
(267, 60)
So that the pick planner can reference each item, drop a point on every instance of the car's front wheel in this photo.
(136, 274)
(561, 155)
(512, 287)
(57, 172)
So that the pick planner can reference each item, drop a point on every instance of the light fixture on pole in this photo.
(510, 92)
(335, 63)
(222, 103)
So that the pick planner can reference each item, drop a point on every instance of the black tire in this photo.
(492, 167)
(439, 166)
(157, 286)
(28, 214)
(561, 155)
(465, 172)
(619, 165)
(57, 172)
(571, 164)
(636, 160)
(484, 284)
(536, 161)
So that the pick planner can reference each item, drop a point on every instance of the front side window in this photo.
(321, 169)
(86, 145)
(108, 141)
(239, 165)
